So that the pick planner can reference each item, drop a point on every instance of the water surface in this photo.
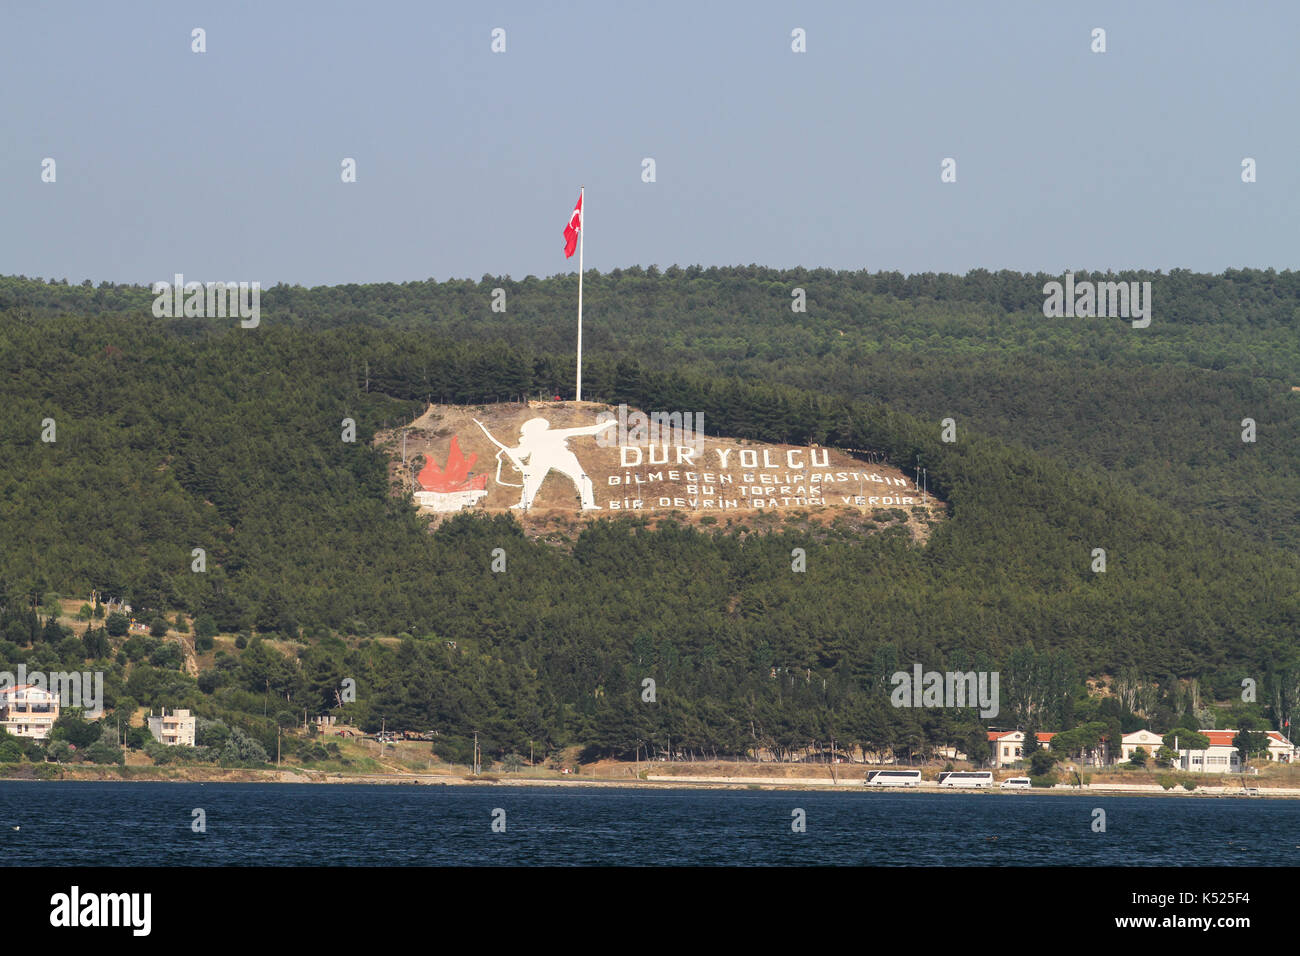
(150, 824)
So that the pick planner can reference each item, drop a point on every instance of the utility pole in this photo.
(408, 478)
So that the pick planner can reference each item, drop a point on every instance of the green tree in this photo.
(1166, 756)
(53, 632)
(242, 750)
(210, 733)
(11, 750)
(977, 746)
(1041, 762)
(205, 626)
(167, 656)
(95, 643)
(59, 751)
(75, 729)
(106, 748)
(1249, 743)
(1185, 740)
(1030, 746)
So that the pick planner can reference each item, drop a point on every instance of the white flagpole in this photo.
(582, 229)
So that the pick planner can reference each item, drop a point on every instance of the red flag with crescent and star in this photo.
(572, 229)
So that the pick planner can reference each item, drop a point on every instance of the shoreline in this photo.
(655, 782)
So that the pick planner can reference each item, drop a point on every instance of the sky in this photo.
(226, 165)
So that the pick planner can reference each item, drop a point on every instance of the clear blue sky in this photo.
(226, 165)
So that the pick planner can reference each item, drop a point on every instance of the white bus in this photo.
(893, 778)
(966, 778)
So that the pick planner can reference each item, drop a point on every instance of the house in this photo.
(1222, 757)
(28, 711)
(176, 728)
(1280, 749)
(1008, 746)
(1148, 741)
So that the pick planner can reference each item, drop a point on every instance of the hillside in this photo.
(1158, 408)
(173, 436)
(679, 473)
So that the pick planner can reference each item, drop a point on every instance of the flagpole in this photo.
(582, 228)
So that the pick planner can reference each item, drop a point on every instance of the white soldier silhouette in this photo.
(540, 451)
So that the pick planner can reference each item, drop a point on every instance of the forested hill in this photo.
(1159, 408)
(177, 434)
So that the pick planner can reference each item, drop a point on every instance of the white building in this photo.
(1222, 757)
(28, 711)
(1009, 746)
(1280, 749)
(1139, 738)
(174, 728)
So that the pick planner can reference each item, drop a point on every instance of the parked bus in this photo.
(966, 778)
(893, 778)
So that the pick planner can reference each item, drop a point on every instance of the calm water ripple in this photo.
(111, 824)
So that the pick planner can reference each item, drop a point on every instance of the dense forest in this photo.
(1159, 408)
(1076, 434)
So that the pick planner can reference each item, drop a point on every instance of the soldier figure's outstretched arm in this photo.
(511, 453)
(585, 429)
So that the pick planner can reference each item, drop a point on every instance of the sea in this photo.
(60, 823)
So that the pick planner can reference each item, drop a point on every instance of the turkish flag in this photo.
(572, 229)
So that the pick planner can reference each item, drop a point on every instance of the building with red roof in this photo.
(1008, 745)
(1220, 757)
